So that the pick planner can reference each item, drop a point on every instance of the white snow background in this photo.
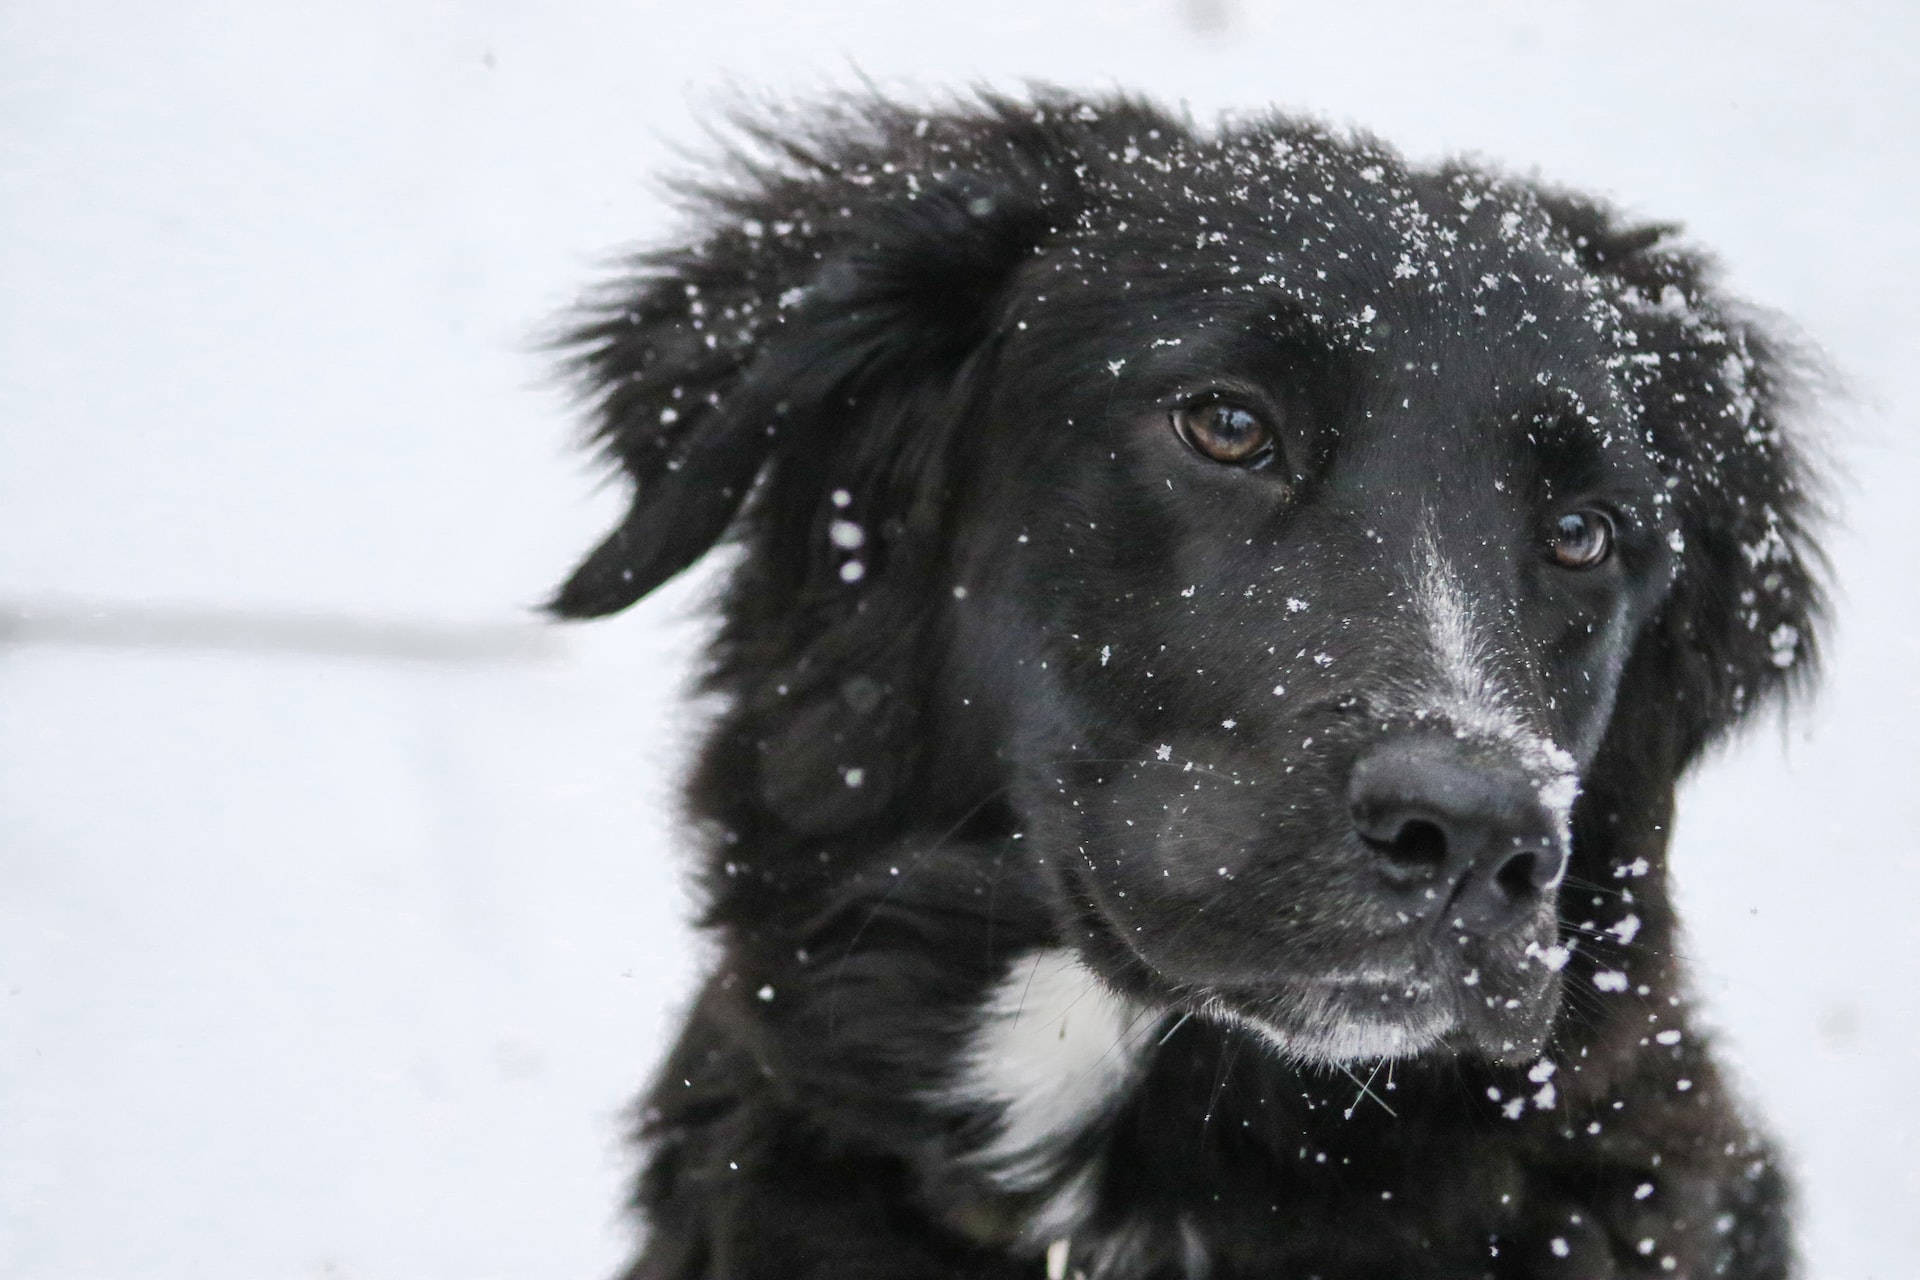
(341, 911)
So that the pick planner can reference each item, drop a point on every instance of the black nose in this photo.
(1463, 839)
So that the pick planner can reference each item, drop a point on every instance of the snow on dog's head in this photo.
(1302, 553)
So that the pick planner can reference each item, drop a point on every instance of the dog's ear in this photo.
(843, 259)
(1720, 399)
(797, 376)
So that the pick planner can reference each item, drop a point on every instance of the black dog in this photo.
(1219, 622)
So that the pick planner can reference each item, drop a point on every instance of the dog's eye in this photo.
(1581, 539)
(1225, 431)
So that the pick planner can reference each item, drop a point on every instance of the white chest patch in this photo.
(1053, 1051)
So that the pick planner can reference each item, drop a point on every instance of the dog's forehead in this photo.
(1449, 287)
(1346, 235)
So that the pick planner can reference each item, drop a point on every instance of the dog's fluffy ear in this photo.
(844, 259)
(797, 375)
(1719, 398)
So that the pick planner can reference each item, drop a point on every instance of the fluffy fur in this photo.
(1070, 915)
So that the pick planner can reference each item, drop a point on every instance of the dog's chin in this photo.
(1495, 1011)
(1340, 1021)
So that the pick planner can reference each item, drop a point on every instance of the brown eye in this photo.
(1581, 539)
(1225, 431)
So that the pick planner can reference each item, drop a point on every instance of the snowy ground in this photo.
(339, 910)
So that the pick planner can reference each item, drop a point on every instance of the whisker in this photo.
(1229, 1054)
(913, 862)
(1366, 1090)
(1021, 1008)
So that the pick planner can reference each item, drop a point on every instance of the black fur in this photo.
(1040, 713)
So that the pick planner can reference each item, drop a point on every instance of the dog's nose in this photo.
(1461, 839)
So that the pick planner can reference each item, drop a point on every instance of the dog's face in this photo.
(1309, 600)
(1280, 527)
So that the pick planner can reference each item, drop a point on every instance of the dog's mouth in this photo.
(1470, 1001)
(1344, 1018)
(1340, 1020)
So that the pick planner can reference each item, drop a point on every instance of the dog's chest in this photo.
(1052, 1056)
(1052, 1053)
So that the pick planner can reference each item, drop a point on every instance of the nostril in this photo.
(1419, 845)
(1519, 876)
(1456, 835)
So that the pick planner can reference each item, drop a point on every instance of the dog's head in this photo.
(1313, 559)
